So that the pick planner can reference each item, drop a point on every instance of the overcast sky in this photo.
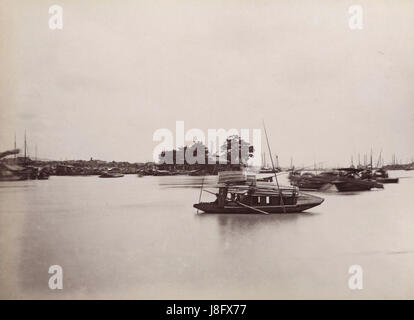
(120, 70)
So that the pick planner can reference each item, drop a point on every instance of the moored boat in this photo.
(112, 173)
(381, 176)
(313, 182)
(350, 180)
(237, 195)
(13, 172)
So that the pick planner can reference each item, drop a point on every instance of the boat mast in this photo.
(371, 159)
(25, 146)
(15, 146)
(273, 167)
(379, 159)
(201, 191)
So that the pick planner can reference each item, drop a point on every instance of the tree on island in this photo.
(236, 150)
(197, 153)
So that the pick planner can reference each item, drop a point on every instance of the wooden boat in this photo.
(355, 183)
(387, 180)
(311, 182)
(269, 170)
(353, 179)
(112, 173)
(43, 174)
(250, 196)
(157, 172)
(13, 172)
(12, 178)
(381, 176)
(10, 172)
(308, 181)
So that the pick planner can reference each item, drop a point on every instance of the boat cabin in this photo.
(257, 197)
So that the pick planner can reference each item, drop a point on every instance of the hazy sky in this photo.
(119, 70)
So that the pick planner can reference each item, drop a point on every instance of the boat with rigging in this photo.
(242, 193)
(12, 172)
(239, 192)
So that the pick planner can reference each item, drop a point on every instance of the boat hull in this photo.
(303, 203)
(387, 180)
(356, 185)
(111, 175)
(13, 178)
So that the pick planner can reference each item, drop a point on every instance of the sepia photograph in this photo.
(206, 150)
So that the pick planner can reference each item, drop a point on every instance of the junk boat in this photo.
(242, 193)
(344, 179)
(350, 180)
(381, 175)
(12, 172)
(312, 182)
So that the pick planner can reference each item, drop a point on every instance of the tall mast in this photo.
(371, 159)
(274, 171)
(25, 146)
(379, 159)
(15, 145)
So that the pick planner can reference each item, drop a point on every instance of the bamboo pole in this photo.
(252, 208)
(201, 192)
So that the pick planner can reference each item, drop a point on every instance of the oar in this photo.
(254, 209)
(210, 192)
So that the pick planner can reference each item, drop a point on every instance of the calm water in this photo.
(141, 238)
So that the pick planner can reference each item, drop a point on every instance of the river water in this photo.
(140, 238)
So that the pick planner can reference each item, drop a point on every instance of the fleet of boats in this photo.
(16, 172)
(344, 179)
(237, 191)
